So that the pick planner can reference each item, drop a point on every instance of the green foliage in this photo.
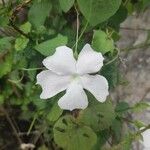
(111, 73)
(122, 107)
(39, 11)
(30, 30)
(54, 113)
(26, 27)
(117, 130)
(146, 3)
(139, 124)
(119, 17)
(70, 135)
(141, 106)
(102, 42)
(66, 4)
(21, 43)
(5, 43)
(93, 8)
(48, 47)
(98, 116)
(1, 99)
(6, 65)
(126, 142)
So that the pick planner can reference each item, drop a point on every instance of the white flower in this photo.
(146, 139)
(65, 73)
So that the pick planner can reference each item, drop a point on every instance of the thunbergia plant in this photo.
(57, 91)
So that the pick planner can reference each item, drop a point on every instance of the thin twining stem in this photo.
(77, 32)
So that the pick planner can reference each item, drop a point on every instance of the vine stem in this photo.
(31, 125)
(117, 55)
(31, 69)
(82, 32)
(77, 33)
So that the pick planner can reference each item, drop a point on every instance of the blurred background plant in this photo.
(30, 30)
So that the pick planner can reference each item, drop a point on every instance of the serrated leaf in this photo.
(26, 27)
(98, 11)
(48, 47)
(21, 43)
(66, 4)
(71, 136)
(102, 42)
(98, 116)
(38, 12)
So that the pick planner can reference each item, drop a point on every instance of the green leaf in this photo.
(118, 17)
(55, 113)
(38, 12)
(4, 20)
(102, 138)
(98, 11)
(125, 144)
(111, 73)
(43, 147)
(122, 108)
(26, 27)
(98, 116)
(71, 136)
(117, 130)
(21, 43)
(48, 47)
(66, 4)
(5, 43)
(102, 42)
(138, 124)
(1, 99)
(146, 3)
(141, 106)
(6, 65)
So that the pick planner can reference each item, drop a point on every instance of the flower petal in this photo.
(97, 85)
(75, 98)
(52, 83)
(89, 61)
(146, 139)
(62, 62)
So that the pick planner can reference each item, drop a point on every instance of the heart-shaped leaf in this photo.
(98, 116)
(71, 136)
(98, 11)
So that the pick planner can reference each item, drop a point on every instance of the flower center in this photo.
(75, 76)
